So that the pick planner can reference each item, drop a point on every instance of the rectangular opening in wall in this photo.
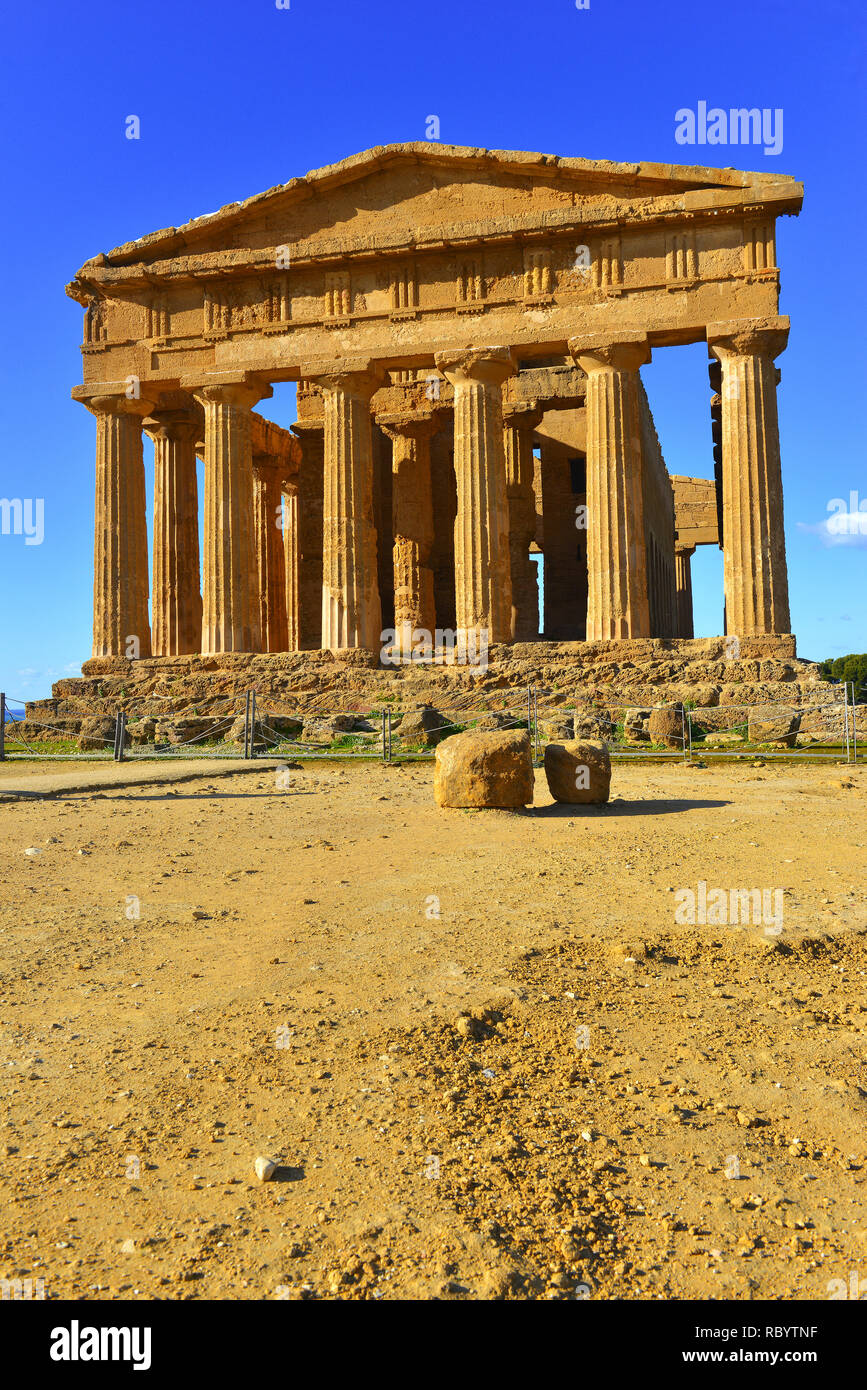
(578, 474)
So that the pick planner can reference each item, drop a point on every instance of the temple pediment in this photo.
(418, 196)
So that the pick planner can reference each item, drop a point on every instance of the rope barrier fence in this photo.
(252, 729)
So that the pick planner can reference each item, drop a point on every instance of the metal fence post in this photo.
(846, 718)
(854, 727)
(252, 723)
(536, 721)
(388, 731)
(2, 726)
(247, 726)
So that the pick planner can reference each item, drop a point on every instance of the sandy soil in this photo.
(486, 1057)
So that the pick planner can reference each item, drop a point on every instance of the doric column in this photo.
(121, 626)
(177, 598)
(290, 566)
(683, 589)
(483, 581)
(270, 562)
(351, 614)
(310, 502)
(230, 608)
(617, 601)
(754, 546)
(412, 525)
(520, 421)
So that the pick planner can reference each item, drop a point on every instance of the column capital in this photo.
(308, 428)
(233, 388)
(764, 337)
(488, 365)
(595, 352)
(363, 383)
(681, 548)
(117, 404)
(420, 425)
(178, 424)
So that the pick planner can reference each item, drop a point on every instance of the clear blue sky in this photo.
(235, 96)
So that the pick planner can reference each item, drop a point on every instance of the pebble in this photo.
(33, 851)
(264, 1168)
(128, 1247)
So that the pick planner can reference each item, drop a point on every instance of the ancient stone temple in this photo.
(467, 330)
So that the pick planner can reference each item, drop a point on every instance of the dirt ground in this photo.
(486, 1057)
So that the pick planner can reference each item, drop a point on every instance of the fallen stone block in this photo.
(485, 770)
(666, 725)
(423, 725)
(635, 725)
(770, 724)
(97, 735)
(578, 771)
(595, 724)
(489, 723)
(558, 727)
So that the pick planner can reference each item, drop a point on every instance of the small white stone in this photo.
(128, 1247)
(33, 851)
(265, 1168)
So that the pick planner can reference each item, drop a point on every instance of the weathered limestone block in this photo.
(592, 723)
(177, 731)
(578, 771)
(635, 723)
(489, 723)
(337, 726)
(829, 719)
(268, 725)
(284, 725)
(484, 770)
(666, 725)
(141, 731)
(97, 735)
(770, 724)
(560, 728)
(720, 739)
(423, 725)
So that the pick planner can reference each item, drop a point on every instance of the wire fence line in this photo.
(378, 734)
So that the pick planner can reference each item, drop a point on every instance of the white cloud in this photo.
(843, 528)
